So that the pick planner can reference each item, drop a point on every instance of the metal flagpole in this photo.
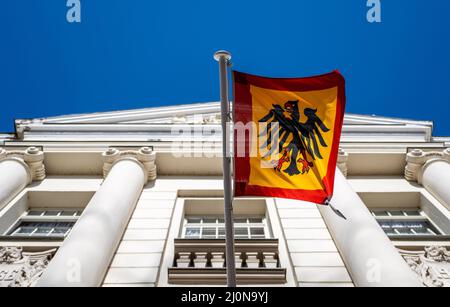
(224, 57)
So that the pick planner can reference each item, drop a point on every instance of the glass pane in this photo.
(404, 231)
(380, 213)
(397, 213)
(257, 231)
(35, 213)
(240, 221)
(385, 225)
(194, 220)
(221, 233)
(241, 233)
(408, 228)
(416, 225)
(221, 221)
(30, 224)
(42, 231)
(396, 224)
(413, 213)
(68, 213)
(423, 231)
(52, 213)
(192, 233)
(43, 228)
(255, 220)
(60, 231)
(24, 230)
(390, 232)
(68, 224)
(209, 233)
(209, 220)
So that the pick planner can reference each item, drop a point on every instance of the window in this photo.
(214, 228)
(51, 223)
(407, 223)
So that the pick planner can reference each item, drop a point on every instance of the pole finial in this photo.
(222, 53)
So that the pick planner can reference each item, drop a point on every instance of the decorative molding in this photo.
(179, 120)
(198, 119)
(157, 123)
(212, 119)
(342, 162)
(145, 156)
(202, 261)
(21, 269)
(32, 158)
(432, 266)
(164, 114)
(417, 159)
(218, 276)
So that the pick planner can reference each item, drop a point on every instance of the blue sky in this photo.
(138, 53)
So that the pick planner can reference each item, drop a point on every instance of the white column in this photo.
(85, 256)
(369, 255)
(432, 171)
(17, 170)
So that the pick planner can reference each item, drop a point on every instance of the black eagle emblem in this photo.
(295, 138)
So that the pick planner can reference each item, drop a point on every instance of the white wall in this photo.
(314, 255)
(312, 252)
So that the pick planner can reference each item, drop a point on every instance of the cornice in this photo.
(168, 132)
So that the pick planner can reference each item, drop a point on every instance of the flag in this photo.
(286, 135)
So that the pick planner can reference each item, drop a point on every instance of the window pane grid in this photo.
(46, 223)
(397, 213)
(408, 222)
(54, 213)
(42, 229)
(214, 228)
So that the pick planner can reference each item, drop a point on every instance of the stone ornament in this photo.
(21, 269)
(202, 261)
(213, 119)
(179, 120)
(198, 119)
(417, 159)
(145, 156)
(32, 158)
(342, 162)
(432, 266)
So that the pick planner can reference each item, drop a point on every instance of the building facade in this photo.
(135, 198)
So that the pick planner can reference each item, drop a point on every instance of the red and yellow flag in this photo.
(287, 134)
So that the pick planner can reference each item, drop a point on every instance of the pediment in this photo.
(156, 124)
(194, 114)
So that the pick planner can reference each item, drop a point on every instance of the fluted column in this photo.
(370, 257)
(85, 256)
(432, 171)
(17, 170)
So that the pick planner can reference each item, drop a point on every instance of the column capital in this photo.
(2, 154)
(447, 154)
(342, 161)
(145, 156)
(32, 157)
(417, 159)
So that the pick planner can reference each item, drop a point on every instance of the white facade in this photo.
(125, 199)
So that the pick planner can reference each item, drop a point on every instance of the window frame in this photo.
(422, 217)
(264, 224)
(26, 218)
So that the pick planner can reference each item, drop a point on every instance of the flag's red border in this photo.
(243, 113)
